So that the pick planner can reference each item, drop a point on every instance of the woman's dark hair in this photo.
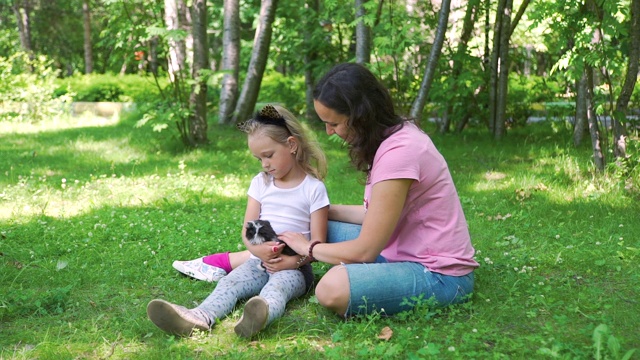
(352, 90)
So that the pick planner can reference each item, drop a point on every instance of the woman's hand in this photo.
(296, 241)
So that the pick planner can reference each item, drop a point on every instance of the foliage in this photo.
(108, 87)
(92, 214)
(27, 89)
(284, 90)
(529, 93)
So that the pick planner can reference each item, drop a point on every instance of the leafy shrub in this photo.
(109, 87)
(27, 88)
(527, 91)
(288, 91)
(100, 92)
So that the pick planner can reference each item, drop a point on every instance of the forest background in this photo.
(178, 73)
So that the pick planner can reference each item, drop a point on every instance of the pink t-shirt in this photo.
(432, 229)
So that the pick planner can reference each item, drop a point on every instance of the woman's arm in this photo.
(385, 206)
(347, 213)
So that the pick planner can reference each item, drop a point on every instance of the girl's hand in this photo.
(269, 252)
(284, 262)
(296, 241)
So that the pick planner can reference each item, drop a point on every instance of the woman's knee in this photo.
(333, 291)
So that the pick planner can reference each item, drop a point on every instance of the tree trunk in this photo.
(88, 52)
(503, 73)
(363, 34)
(494, 62)
(22, 10)
(581, 125)
(310, 56)
(177, 47)
(432, 63)
(619, 114)
(258, 62)
(516, 19)
(153, 55)
(470, 17)
(230, 60)
(198, 98)
(596, 139)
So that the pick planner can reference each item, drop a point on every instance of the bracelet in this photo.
(301, 261)
(311, 249)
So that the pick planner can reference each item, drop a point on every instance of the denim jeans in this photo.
(385, 286)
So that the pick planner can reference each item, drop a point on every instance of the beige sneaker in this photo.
(254, 317)
(175, 319)
(197, 269)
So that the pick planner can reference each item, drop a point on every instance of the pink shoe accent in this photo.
(220, 260)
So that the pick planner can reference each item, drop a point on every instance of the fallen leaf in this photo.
(385, 334)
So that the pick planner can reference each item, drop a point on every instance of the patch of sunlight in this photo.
(232, 186)
(115, 151)
(58, 123)
(30, 198)
(493, 181)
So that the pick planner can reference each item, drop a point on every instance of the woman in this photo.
(411, 238)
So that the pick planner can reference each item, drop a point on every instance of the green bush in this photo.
(288, 91)
(109, 87)
(27, 89)
(526, 91)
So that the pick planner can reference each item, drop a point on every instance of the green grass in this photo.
(93, 212)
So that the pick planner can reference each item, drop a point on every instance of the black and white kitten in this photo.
(260, 231)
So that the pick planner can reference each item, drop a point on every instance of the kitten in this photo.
(260, 231)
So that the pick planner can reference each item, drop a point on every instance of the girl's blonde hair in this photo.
(309, 154)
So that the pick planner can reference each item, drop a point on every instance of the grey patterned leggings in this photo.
(248, 280)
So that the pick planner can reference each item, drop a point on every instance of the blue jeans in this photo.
(391, 288)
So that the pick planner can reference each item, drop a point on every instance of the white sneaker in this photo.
(197, 269)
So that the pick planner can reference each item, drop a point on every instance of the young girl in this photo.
(290, 194)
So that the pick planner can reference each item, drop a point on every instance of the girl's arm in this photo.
(347, 213)
(319, 219)
(385, 206)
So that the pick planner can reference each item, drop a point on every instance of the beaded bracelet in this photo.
(301, 261)
(311, 249)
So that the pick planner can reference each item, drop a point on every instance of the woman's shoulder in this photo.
(409, 136)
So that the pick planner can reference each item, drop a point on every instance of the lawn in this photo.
(93, 212)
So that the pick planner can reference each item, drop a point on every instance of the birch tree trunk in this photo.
(88, 51)
(258, 62)
(363, 34)
(177, 48)
(423, 94)
(230, 60)
(619, 130)
(198, 98)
